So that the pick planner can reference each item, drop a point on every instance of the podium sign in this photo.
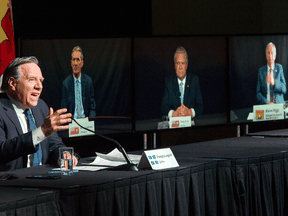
(75, 130)
(158, 159)
(268, 112)
(179, 122)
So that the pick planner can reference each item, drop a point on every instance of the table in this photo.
(235, 176)
(189, 189)
(259, 170)
(21, 201)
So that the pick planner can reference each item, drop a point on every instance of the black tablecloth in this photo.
(190, 189)
(236, 176)
(24, 201)
(258, 166)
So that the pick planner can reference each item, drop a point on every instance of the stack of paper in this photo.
(112, 159)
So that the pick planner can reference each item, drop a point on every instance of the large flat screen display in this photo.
(105, 78)
(252, 60)
(157, 90)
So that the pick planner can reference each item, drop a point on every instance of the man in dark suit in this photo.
(77, 90)
(182, 95)
(271, 84)
(22, 84)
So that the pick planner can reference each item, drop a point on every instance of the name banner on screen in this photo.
(75, 130)
(158, 159)
(179, 122)
(268, 112)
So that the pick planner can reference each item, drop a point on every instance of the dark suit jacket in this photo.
(192, 94)
(68, 95)
(279, 89)
(15, 146)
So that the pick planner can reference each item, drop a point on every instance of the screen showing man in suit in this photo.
(182, 95)
(27, 126)
(77, 90)
(271, 84)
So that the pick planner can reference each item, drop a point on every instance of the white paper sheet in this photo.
(113, 158)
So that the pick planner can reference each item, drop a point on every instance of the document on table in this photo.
(112, 159)
(84, 168)
(89, 168)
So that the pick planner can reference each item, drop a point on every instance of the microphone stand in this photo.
(130, 166)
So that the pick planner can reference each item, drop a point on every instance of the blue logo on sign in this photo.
(152, 162)
(156, 162)
(154, 157)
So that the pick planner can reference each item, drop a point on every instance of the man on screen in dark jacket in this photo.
(77, 90)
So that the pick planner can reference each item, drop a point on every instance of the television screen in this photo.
(157, 89)
(105, 79)
(250, 60)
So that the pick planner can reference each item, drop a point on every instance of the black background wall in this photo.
(96, 19)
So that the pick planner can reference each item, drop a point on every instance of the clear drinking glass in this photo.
(66, 160)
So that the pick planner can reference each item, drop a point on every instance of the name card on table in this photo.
(158, 159)
(75, 130)
(179, 122)
(268, 112)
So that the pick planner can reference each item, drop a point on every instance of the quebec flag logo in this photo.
(154, 162)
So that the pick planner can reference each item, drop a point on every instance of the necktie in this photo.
(268, 88)
(79, 107)
(181, 91)
(37, 157)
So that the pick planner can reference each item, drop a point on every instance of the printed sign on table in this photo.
(75, 130)
(179, 122)
(268, 112)
(158, 159)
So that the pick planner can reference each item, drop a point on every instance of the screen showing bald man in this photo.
(182, 95)
(180, 77)
(271, 84)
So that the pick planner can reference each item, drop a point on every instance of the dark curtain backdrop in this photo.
(106, 61)
(247, 56)
(154, 60)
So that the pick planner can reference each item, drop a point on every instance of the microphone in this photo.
(130, 166)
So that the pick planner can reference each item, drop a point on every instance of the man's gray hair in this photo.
(181, 50)
(77, 48)
(12, 70)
